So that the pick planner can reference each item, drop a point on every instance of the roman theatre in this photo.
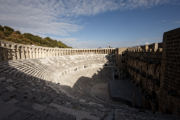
(42, 83)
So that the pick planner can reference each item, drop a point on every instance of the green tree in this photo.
(8, 34)
(8, 31)
(2, 36)
(1, 28)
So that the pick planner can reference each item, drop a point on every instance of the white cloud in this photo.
(58, 17)
(35, 17)
(69, 41)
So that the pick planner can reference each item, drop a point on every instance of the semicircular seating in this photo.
(51, 69)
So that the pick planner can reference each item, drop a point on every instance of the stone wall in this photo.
(156, 69)
(13, 51)
(170, 71)
(143, 65)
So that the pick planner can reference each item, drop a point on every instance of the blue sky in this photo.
(93, 23)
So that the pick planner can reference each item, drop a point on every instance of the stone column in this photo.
(146, 48)
(9, 52)
(40, 52)
(4, 52)
(61, 52)
(54, 52)
(25, 52)
(13, 52)
(20, 51)
(44, 52)
(28, 52)
(155, 47)
(35, 52)
(49, 52)
(16, 51)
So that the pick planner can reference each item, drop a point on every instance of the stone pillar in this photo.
(28, 52)
(72, 51)
(41, 53)
(9, 52)
(1, 53)
(20, 51)
(13, 54)
(49, 52)
(38, 52)
(68, 51)
(57, 52)
(64, 52)
(24, 52)
(16, 51)
(54, 52)
(35, 53)
(155, 47)
(5, 52)
(61, 51)
(44, 52)
(146, 48)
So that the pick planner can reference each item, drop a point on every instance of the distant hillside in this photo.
(9, 34)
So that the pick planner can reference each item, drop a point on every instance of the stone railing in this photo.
(13, 51)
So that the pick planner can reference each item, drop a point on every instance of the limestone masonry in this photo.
(156, 69)
(44, 72)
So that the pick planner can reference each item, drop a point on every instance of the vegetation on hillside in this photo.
(9, 34)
